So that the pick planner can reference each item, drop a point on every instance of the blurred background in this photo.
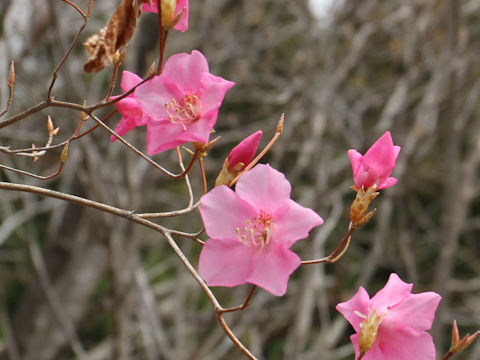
(343, 72)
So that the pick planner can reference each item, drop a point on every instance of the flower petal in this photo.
(225, 262)
(182, 24)
(153, 95)
(381, 156)
(402, 343)
(264, 188)
(355, 160)
(245, 150)
(295, 223)
(358, 303)
(394, 292)
(129, 80)
(213, 90)
(223, 211)
(186, 70)
(272, 268)
(162, 135)
(389, 182)
(417, 311)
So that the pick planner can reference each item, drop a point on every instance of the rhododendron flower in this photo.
(251, 231)
(392, 324)
(169, 14)
(132, 113)
(183, 102)
(376, 165)
(240, 156)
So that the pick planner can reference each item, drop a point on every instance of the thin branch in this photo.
(337, 253)
(245, 303)
(11, 82)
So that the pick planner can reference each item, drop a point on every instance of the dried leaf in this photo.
(120, 28)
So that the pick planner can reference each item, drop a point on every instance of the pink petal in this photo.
(123, 127)
(264, 188)
(381, 156)
(355, 159)
(389, 182)
(272, 268)
(417, 311)
(295, 223)
(186, 70)
(213, 90)
(223, 211)
(359, 302)
(225, 262)
(182, 24)
(245, 150)
(373, 354)
(146, 7)
(163, 135)
(201, 129)
(394, 292)
(129, 80)
(396, 151)
(152, 96)
(401, 343)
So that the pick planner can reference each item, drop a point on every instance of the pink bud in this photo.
(245, 150)
(376, 165)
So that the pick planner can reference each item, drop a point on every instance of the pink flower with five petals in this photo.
(182, 24)
(251, 231)
(376, 165)
(132, 113)
(392, 324)
(182, 102)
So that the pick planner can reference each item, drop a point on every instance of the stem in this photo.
(339, 251)
(245, 303)
(204, 178)
(448, 355)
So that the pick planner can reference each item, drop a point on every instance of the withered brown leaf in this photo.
(120, 28)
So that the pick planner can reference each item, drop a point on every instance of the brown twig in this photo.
(11, 82)
(72, 45)
(336, 254)
(245, 303)
(204, 178)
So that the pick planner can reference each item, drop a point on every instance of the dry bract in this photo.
(120, 28)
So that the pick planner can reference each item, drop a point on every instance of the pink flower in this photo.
(251, 231)
(244, 151)
(392, 324)
(183, 102)
(132, 113)
(182, 24)
(376, 165)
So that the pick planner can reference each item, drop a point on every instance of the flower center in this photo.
(258, 231)
(369, 331)
(185, 112)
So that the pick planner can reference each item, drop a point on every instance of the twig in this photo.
(337, 253)
(245, 303)
(11, 82)
(72, 45)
